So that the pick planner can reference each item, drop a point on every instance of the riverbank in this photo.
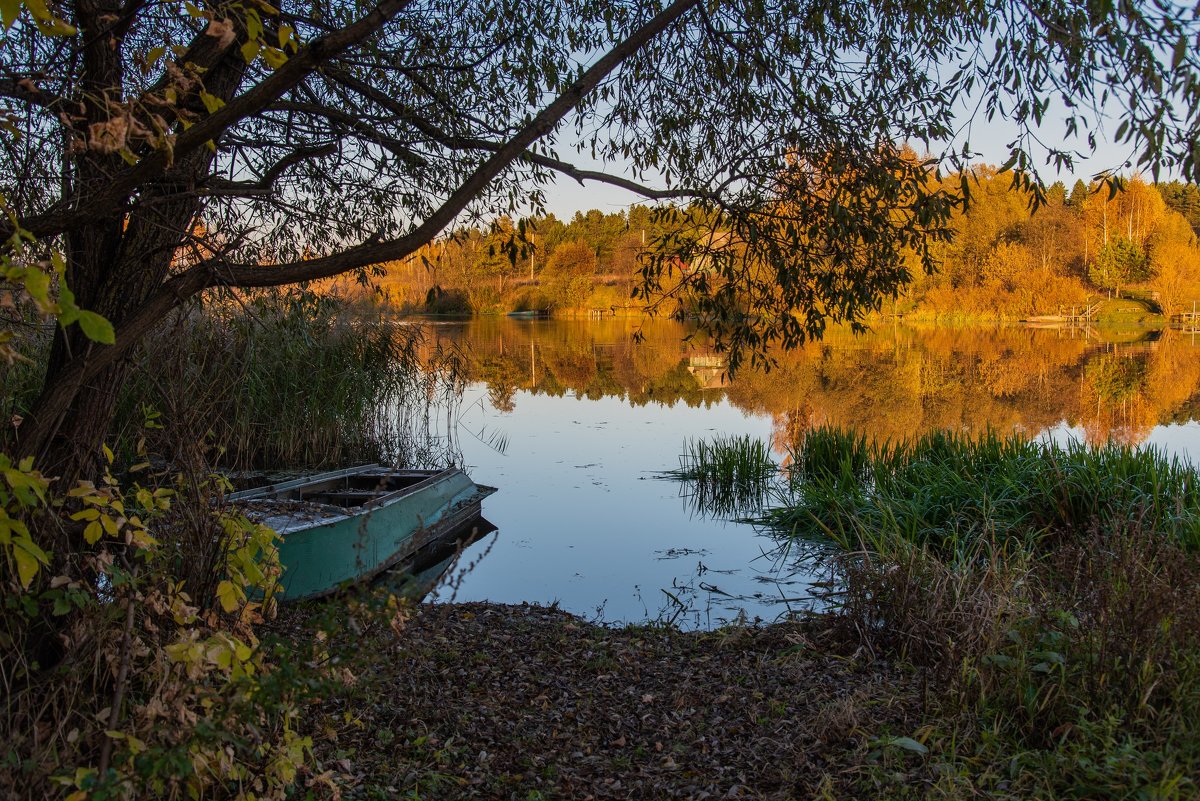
(479, 700)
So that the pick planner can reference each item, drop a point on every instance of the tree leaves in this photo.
(97, 328)
(46, 22)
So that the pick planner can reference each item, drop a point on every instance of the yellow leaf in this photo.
(93, 532)
(211, 101)
(275, 58)
(27, 566)
(228, 596)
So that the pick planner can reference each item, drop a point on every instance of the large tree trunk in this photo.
(69, 447)
(117, 262)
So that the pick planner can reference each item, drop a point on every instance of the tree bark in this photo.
(114, 265)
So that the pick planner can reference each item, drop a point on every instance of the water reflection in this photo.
(891, 382)
(589, 417)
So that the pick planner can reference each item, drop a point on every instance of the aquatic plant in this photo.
(1051, 592)
(946, 491)
(292, 380)
(726, 475)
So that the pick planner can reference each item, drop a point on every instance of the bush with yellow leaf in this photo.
(135, 671)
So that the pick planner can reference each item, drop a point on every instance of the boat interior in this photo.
(352, 490)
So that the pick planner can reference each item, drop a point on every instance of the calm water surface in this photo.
(574, 420)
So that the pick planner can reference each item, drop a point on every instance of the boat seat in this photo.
(342, 497)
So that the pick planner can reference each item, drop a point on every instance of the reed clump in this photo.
(290, 380)
(946, 491)
(726, 475)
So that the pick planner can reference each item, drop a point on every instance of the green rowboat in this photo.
(349, 525)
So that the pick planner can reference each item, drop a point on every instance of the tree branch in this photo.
(27, 91)
(471, 143)
(209, 129)
(265, 184)
(398, 148)
(55, 402)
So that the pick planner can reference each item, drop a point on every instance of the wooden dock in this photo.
(1188, 322)
(1068, 317)
(1080, 315)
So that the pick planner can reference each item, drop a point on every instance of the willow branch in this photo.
(55, 402)
(293, 71)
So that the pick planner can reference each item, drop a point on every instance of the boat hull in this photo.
(321, 556)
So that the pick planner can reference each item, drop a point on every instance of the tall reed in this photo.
(1050, 593)
(727, 475)
(289, 380)
(946, 491)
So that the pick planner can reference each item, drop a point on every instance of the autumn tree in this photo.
(570, 274)
(1175, 264)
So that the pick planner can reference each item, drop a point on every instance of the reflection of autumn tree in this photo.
(1113, 398)
(1126, 393)
(889, 383)
(503, 377)
(894, 383)
(788, 430)
(1116, 377)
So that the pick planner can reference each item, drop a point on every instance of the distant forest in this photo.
(1004, 261)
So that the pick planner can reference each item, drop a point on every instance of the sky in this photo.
(989, 139)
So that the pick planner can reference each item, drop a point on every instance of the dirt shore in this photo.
(524, 702)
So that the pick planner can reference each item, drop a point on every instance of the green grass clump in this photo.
(1051, 594)
(947, 491)
(726, 475)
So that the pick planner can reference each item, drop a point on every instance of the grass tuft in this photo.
(727, 475)
(1050, 593)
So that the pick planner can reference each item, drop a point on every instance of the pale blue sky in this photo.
(989, 139)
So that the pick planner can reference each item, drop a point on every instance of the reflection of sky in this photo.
(583, 521)
(1182, 440)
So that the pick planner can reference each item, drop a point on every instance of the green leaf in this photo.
(29, 557)
(907, 743)
(96, 328)
(227, 595)
(68, 310)
(9, 11)
(37, 284)
(27, 567)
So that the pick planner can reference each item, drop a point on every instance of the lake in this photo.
(574, 421)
